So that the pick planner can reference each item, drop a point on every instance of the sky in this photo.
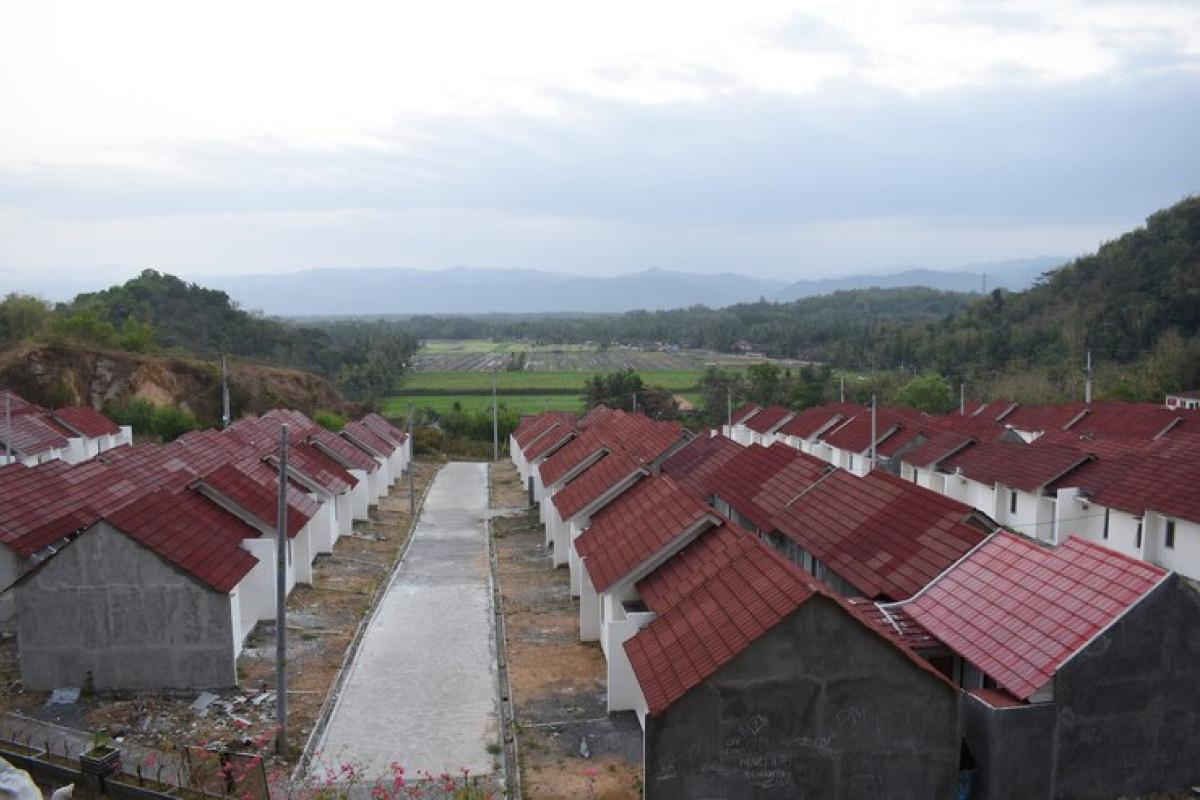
(767, 137)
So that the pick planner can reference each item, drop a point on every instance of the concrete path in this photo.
(422, 690)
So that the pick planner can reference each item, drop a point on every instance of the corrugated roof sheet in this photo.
(1018, 611)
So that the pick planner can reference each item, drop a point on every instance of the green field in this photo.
(531, 382)
(522, 404)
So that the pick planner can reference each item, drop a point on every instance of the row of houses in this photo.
(147, 566)
(787, 622)
(1120, 474)
(31, 435)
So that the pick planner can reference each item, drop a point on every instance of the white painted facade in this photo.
(256, 592)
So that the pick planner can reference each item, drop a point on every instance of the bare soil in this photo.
(558, 683)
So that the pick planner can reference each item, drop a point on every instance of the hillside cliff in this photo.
(58, 375)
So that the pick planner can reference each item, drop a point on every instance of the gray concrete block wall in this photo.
(108, 605)
(817, 707)
(1013, 749)
(1129, 704)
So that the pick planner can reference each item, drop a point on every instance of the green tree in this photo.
(22, 316)
(930, 393)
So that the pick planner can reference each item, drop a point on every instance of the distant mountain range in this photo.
(463, 290)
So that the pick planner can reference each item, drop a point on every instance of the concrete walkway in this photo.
(422, 690)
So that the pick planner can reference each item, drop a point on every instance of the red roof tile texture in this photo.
(887, 537)
(86, 421)
(1018, 611)
(252, 486)
(636, 527)
(743, 413)
(31, 435)
(1169, 486)
(739, 481)
(1028, 467)
(719, 619)
(937, 447)
(769, 419)
(360, 435)
(693, 465)
(192, 533)
(704, 557)
(535, 426)
(613, 470)
(819, 419)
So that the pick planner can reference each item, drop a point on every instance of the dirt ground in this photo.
(321, 623)
(558, 683)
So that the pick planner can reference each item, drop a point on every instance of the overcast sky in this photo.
(780, 139)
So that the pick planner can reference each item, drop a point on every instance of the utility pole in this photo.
(634, 396)
(873, 423)
(8, 439)
(842, 393)
(412, 493)
(225, 416)
(281, 747)
(962, 399)
(495, 423)
(1087, 380)
(729, 407)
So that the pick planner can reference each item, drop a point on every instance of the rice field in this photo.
(446, 372)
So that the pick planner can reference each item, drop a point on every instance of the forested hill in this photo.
(1119, 302)
(158, 313)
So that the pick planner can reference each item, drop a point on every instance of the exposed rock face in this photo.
(59, 375)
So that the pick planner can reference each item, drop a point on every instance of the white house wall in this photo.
(257, 594)
(1184, 556)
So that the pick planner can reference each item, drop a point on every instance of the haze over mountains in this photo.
(463, 290)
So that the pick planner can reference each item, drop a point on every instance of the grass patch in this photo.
(522, 404)
(533, 382)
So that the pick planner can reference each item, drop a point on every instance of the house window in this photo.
(1106, 523)
(1169, 534)
(1012, 502)
(1138, 537)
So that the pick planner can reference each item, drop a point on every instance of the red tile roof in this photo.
(32, 434)
(1144, 421)
(705, 557)
(1018, 611)
(1169, 486)
(812, 421)
(384, 428)
(614, 469)
(1043, 418)
(253, 487)
(535, 426)
(739, 481)
(1027, 467)
(734, 606)
(582, 449)
(938, 447)
(887, 537)
(744, 412)
(719, 619)
(558, 434)
(768, 419)
(854, 435)
(191, 533)
(347, 454)
(358, 434)
(636, 527)
(86, 421)
(641, 436)
(700, 457)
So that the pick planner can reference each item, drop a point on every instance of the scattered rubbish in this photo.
(262, 698)
(66, 696)
(584, 750)
(205, 700)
